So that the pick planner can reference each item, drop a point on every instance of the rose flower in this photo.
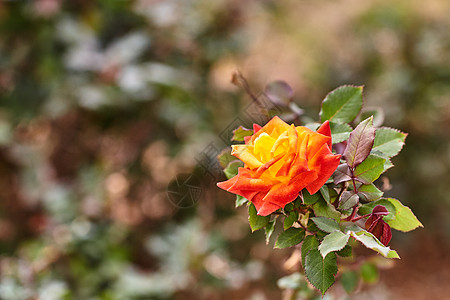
(280, 161)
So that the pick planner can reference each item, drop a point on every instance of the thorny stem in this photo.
(336, 202)
(306, 229)
(352, 216)
(353, 180)
(355, 208)
(359, 218)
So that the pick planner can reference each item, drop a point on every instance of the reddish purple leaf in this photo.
(279, 93)
(342, 174)
(348, 200)
(377, 226)
(360, 143)
(380, 210)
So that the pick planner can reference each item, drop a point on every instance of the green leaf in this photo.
(340, 132)
(367, 208)
(388, 164)
(256, 222)
(297, 202)
(345, 252)
(290, 219)
(270, 227)
(320, 271)
(404, 219)
(241, 132)
(342, 105)
(370, 169)
(325, 193)
(309, 199)
(349, 281)
(240, 201)
(225, 157)
(348, 200)
(326, 224)
(323, 209)
(370, 241)
(291, 237)
(389, 141)
(333, 195)
(309, 244)
(359, 143)
(369, 192)
(288, 208)
(369, 273)
(232, 169)
(334, 241)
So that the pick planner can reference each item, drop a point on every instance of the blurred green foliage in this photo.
(103, 103)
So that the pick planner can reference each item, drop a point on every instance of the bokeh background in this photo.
(112, 111)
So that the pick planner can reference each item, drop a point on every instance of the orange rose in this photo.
(280, 161)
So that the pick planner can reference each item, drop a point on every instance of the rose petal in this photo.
(244, 176)
(268, 165)
(245, 181)
(326, 130)
(263, 208)
(245, 153)
(274, 128)
(262, 147)
(300, 164)
(324, 163)
(225, 185)
(256, 128)
(281, 194)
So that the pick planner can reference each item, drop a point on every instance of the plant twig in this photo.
(239, 80)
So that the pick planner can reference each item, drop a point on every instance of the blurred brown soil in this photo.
(423, 272)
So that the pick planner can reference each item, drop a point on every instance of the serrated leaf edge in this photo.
(390, 253)
(319, 217)
(384, 170)
(276, 243)
(395, 216)
(342, 86)
(346, 234)
(334, 275)
(396, 130)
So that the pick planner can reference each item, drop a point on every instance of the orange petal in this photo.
(246, 181)
(245, 153)
(282, 194)
(286, 165)
(315, 143)
(325, 163)
(274, 128)
(263, 208)
(299, 164)
(256, 128)
(267, 208)
(226, 185)
(326, 130)
(267, 165)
